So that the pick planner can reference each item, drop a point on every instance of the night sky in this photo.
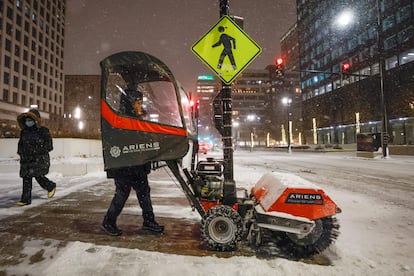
(166, 29)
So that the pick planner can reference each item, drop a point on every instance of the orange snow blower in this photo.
(286, 210)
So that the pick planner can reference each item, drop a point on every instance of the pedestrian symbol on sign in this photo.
(217, 49)
(228, 43)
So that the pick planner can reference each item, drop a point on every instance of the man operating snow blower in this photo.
(128, 177)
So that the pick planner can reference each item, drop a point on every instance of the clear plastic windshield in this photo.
(159, 99)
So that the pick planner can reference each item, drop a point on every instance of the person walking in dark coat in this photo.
(34, 146)
(135, 177)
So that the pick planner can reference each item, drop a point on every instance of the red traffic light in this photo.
(192, 103)
(346, 67)
(279, 61)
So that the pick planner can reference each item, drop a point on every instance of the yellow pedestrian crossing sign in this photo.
(226, 49)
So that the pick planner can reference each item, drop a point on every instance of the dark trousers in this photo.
(43, 181)
(123, 186)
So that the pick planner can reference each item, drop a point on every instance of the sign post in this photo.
(227, 50)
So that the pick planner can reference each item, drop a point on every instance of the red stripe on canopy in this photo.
(135, 124)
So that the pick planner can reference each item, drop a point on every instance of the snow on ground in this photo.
(377, 222)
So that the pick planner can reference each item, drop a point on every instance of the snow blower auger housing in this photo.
(281, 209)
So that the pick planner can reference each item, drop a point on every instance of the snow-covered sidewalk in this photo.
(376, 233)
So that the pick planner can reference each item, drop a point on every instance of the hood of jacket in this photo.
(32, 113)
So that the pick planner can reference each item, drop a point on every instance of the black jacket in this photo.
(34, 146)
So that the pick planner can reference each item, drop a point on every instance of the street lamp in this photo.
(287, 102)
(384, 136)
(345, 19)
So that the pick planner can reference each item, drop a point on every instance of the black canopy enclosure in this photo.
(164, 129)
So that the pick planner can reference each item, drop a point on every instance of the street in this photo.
(375, 195)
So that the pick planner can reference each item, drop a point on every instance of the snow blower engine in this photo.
(208, 184)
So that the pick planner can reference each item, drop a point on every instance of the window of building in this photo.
(388, 22)
(34, 32)
(385, 5)
(322, 90)
(405, 35)
(26, 26)
(27, 11)
(16, 81)
(407, 56)
(25, 55)
(17, 50)
(391, 62)
(16, 66)
(329, 87)
(5, 95)
(26, 41)
(6, 61)
(24, 70)
(15, 97)
(375, 69)
(390, 42)
(24, 85)
(18, 35)
(6, 78)
(337, 84)
(372, 32)
(8, 45)
(9, 13)
(403, 14)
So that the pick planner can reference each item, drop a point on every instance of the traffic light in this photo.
(194, 105)
(280, 64)
(279, 61)
(345, 67)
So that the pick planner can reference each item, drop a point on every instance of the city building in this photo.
(288, 94)
(207, 87)
(253, 112)
(357, 69)
(82, 117)
(31, 58)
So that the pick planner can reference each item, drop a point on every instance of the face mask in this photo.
(29, 123)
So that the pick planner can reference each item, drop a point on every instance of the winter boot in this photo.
(22, 203)
(26, 198)
(51, 193)
(152, 226)
(110, 228)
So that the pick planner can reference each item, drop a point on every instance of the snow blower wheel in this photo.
(323, 234)
(221, 228)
